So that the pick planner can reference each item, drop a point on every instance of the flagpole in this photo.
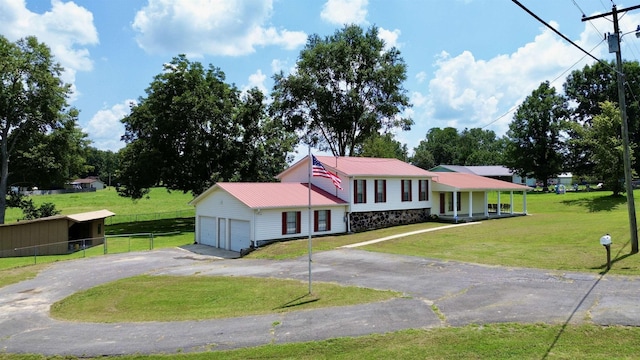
(309, 174)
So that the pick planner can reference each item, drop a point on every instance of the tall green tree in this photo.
(265, 144)
(422, 156)
(535, 146)
(346, 88)
(32, 95)
(589, 87)
(193, 130)
(181, 134)
(480, 147)
(383, 146)
(49, 160)
(604, 138)
(443, 145)
(104, 164)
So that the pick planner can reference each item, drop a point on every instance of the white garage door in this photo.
(240, 234)
(207, 231)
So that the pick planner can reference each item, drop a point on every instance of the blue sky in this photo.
(469, 62)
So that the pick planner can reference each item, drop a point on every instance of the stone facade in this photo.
(370, 220)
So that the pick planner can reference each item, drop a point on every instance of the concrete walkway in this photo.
(460, 293)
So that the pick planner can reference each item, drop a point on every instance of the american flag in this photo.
(319, 170)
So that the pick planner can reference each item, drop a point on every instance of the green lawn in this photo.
(157, 205)
(494, 341)
(179, 298)
(562, 233)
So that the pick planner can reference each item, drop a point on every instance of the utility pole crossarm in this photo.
(587, 18)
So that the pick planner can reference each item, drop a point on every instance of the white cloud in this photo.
(257, 80)
(469, 92)
(105, 128)
(67, 29)
(421, 77)
(345, 11)
(390, 38)
(198, 27)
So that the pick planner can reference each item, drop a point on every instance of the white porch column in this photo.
(524, 202)
(470, 203)
(511, 202)
(486, 203)
(498, 204)
(455, 205)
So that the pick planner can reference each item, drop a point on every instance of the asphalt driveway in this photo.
(462, 294)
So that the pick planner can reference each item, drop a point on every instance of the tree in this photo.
(422, 156)
(104, 164)
(588, 88)
(442, 144)
(383, 146)
(347, 87)
(604, 138)
(50, 160)
(479, 147)
(263, 151)
(193, 130)
(535, 146)
(32, 96)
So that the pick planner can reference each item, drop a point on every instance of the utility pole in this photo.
(625, 129)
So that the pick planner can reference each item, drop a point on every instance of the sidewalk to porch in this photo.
(462, 218)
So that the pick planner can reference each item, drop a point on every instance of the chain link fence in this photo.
(119, 219)
(73, 249)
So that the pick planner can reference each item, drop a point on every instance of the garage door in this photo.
(240, 234)
(207, 231)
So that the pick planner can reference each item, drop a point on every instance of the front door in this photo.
(442, 203)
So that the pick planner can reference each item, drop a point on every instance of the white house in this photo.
(374, 193)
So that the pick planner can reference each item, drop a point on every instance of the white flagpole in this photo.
(310, 214)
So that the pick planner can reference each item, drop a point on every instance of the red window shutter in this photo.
(284, 223)
(375, 188)
(298, 221)
(364, 191)
(401, 190)
(384, 190)
(315, 220)
(355, 191)
(328, 220)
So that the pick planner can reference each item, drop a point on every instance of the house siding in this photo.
(394, 196)
(221, 206)
(269, 221)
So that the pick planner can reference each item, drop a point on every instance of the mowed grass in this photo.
(492, 341)
(561, 232)
(159, 200)
(178, 298)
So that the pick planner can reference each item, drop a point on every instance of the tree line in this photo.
(346, 96)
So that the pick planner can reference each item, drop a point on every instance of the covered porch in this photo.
(465, 197)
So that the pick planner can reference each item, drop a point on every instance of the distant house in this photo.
(87, 183)
(375, 193)
(53, 235)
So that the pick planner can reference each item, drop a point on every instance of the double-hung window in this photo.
(322, 220)
(359, 191)
(406, 190)
(291, 222)
(423, 190)
(381, 191)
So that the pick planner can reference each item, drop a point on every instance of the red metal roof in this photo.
(269, 195)
(365, 166)
(462, 181)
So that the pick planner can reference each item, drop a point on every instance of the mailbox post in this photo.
(605, 241)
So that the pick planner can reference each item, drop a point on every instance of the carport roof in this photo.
(274, 195)
(462, 181)
(81, 217)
